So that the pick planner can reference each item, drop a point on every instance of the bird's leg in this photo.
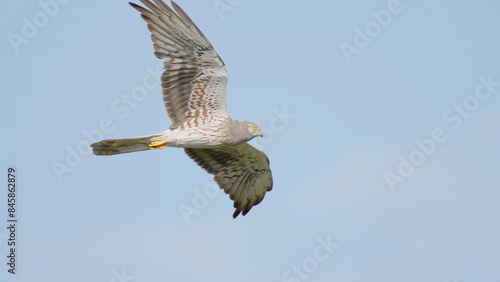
(160, 144)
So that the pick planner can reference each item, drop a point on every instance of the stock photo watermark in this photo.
(223, 6)
(121, 108)
(364, 35)
(454, 280)
(277, 124)
(310, 264)
(121, 276)
(201, 200)
(31, 26)
(12, 211)
(454, 118)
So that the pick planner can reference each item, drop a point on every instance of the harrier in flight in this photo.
(194, 94)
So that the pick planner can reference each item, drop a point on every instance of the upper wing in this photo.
(241, 170)
(194, 81)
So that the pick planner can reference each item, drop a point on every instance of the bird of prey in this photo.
(194, 95)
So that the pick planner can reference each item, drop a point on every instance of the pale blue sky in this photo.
(352, 121)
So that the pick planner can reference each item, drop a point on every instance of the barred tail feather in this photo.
(127, 145)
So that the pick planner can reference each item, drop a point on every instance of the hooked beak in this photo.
(259, 133)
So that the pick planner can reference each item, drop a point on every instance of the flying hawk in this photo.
(194, 95)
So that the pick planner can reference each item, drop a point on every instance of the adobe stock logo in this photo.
(277, 124)
(454, 117)
(201, 200)
(222, 7)
(121, 108)
(121, 276)
(30, 28)
(372, 29)
(310, 264)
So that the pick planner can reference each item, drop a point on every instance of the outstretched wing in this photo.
(194, 81)
(241, 170)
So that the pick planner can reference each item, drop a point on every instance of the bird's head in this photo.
(254, 130)
(244, 131)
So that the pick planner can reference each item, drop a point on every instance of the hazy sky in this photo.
(381, 122)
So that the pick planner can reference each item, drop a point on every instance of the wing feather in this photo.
(241, 170)
(195, 76)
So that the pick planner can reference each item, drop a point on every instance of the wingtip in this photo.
(135, 6)
(242, 211)
(236, 213)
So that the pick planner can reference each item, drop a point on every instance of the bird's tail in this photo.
(127, 145)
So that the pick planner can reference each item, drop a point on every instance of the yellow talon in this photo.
(157, 145)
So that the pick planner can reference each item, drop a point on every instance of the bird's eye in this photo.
(252, 127)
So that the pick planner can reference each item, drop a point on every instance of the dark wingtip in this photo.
(236, 213)
(135, 6)
(246, 211)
